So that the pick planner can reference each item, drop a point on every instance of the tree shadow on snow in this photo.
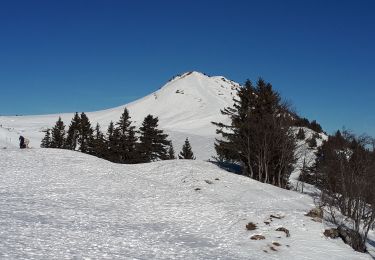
(229, 167)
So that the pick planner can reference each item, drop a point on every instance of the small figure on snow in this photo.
(22, 142)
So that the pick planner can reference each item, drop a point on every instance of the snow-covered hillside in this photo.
(186, 105)
(59, 204)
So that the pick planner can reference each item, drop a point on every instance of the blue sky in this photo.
(62, 56)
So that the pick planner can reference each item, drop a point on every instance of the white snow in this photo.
(59, 204)
(185, 107)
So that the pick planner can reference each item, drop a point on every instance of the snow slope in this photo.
(186, 105)
(58, 204)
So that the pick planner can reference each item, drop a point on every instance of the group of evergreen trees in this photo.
(304, 122)
(121, 144)
(259, 136)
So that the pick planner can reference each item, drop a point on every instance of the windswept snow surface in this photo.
(186, 106)
(59, 204)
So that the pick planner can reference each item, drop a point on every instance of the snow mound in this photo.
(58, 204)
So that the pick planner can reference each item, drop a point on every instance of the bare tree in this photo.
(347, 167)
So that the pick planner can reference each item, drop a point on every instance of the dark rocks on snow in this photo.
(276, 216)
(286, 231)
(257, 237)
(315, 213)
(251, 226)
(352, 238)
(331, 233)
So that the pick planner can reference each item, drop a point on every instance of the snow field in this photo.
(58, 204)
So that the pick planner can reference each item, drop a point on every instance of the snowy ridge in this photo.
(186, 105)
(68, 205)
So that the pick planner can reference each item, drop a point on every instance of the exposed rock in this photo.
(286, 231)
(276, 243)
(319, 220)
(277, 216)
(251, 226)
(258, 237)
(208, 181)
(331, 233)
(315, 213)
(352, 238)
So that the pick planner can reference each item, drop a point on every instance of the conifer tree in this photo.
(73, 133)
(186, 152)
(58, 134)
(46, 141)
(153, 142)
(171, 153)
(312, 142)
(98, 147)
(316, 126)
(112, 147)
(126, 139)
(301, 134)
(259, 137)
(85, 136)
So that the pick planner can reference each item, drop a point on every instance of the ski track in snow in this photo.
(58, 204)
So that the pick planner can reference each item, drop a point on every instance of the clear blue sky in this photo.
(88, 55)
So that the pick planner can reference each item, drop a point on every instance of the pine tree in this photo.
(46, 141)
(301, 134)
(259, 137)
(316, 126)
(85, 136)
(186, 152)
(73, 133)
(58, 134)
(98, 147)
(171, 153)
(126, 139)
(312, 142)
(112, 147)
(153, 142)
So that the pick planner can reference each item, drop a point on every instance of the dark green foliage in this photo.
(171, 153)
(73, 133)
(301, 122)
(58, 134)
(316, 127)
(126, 139)
(153, 142)
(186, 152)
(301, 134)
(312, 142)
(85, 135)
(46, 141)
(304, 122)
(98, 144)
(112, 151)
(259, 137)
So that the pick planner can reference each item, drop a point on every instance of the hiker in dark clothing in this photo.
(22, 142)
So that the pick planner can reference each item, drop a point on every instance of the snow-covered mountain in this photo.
(186, 105)
(59, 204)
